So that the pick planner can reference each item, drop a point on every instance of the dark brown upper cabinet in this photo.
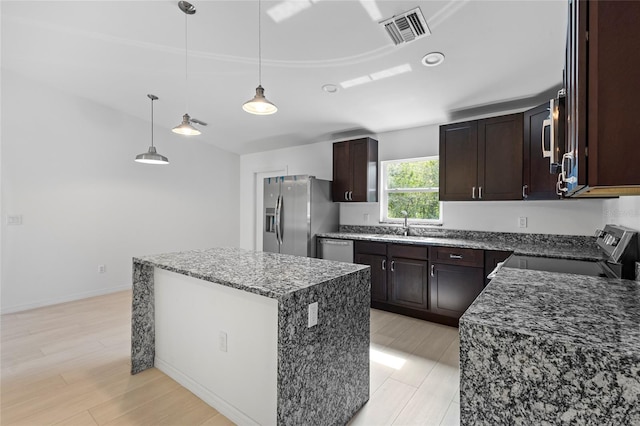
(482, 159)
(537, 181)
(603, 88)
(355, 170)
(458, 161)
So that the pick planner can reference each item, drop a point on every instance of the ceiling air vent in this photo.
(406, 27)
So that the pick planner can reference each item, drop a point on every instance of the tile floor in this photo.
(415, 373)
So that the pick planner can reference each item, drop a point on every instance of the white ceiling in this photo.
(500, 55)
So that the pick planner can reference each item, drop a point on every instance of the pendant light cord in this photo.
(259, 44)
(186, 59)
(151, 121)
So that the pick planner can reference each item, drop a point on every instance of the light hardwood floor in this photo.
(69, 364)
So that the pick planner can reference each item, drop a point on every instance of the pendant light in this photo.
(259, 105)
(186, 127)
(152, 156)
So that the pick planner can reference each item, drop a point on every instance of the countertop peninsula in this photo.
(538, 347)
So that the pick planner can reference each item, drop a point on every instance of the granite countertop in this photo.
(600, 313)
(582, 249)
(267, 274)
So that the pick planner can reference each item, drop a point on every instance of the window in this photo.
(411, 185)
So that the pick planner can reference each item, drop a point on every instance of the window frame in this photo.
(384, 192)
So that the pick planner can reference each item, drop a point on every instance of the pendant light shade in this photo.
(259, 105)
(186, 128)
(152, 156)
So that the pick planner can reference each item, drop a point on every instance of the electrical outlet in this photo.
(102, 269)
(14, 219)
(313, 314)
(522, 222)
(366, 217)
(222, 341)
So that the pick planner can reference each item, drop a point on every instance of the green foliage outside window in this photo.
(415, 174)
(413, 187)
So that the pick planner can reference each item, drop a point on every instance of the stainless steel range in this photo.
(620, 251)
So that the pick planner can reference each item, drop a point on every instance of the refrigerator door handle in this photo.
(278, 218)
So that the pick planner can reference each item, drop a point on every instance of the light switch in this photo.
(313, 314)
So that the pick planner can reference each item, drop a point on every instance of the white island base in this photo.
(237, 377)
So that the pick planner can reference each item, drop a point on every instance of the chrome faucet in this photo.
(406, 222)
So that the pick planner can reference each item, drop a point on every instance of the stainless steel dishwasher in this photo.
(335, 249)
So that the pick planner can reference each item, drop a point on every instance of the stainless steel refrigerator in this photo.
(296, 208)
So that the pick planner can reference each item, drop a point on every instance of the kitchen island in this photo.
(548, 348)
(236, 328)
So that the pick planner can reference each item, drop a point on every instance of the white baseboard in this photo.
(63, 299)
(227, 410)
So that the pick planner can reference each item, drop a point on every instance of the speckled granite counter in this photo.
(547, 348)
(559, 246)
(323, 371)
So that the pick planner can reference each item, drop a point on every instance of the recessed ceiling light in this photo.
(432, 59)
(330, 88)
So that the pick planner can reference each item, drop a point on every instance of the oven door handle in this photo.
(565, 172)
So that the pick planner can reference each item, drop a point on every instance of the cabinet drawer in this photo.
(458, 256)
(409, 251)
(370, 247)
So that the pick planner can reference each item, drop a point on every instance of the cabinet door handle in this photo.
(384, 264)
(346, 195)
(433, 270)
(473, 193)
(480, 192)
(455, 256)
(350, 195)
(559, 189)
(393, 265)
(524, 191)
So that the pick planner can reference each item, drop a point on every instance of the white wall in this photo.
(568, 217)
(623, 211)
(68, 169)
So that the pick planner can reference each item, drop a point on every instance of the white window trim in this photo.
(384, 193)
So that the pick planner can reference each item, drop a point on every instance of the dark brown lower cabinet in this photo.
(409, 283)
(378, 264)
(374, 254)
(408, 276)
(403, 281)
(454, 288)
